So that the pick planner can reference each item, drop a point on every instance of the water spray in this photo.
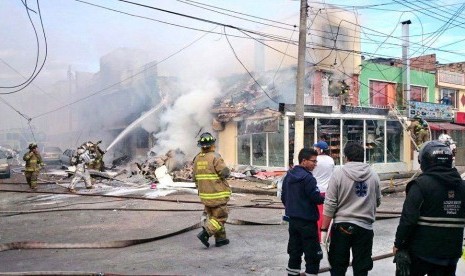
(135, 123)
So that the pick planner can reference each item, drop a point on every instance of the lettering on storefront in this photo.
(364, 110)
(451, 77)
(431, 111)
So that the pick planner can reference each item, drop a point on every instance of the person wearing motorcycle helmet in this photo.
(448, 141)
(210, 173)
(429, 236)
(33, 165)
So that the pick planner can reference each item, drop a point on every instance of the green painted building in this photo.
(381, 85)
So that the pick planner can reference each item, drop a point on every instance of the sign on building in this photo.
(431, 111)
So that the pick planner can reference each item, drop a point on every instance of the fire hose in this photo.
(92, 245)
(112, 244)
(123, 243)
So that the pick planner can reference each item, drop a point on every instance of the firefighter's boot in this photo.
(221, 242)
(203, 237)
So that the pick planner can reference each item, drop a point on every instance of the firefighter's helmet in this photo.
(32, 146)
(206, 140)
(434, 153)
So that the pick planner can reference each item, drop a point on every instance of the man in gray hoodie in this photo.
(352, 197)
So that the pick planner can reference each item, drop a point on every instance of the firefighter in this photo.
(430, 233)
(419, 130)
(210, 173)
(33, 165)
(81, 161)
(97, 153)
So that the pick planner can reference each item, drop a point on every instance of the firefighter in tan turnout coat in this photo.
(33, 165)
(210, 174)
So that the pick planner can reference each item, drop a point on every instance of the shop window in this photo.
(276, 149)
(243, 151)
(352, 131)
(449, 97)
(417, 93)
(309, 135)
(329, 130)
(309, 132)
(259, 149)
(374, 142)
(253, 149)
(382, 94)
(394, 132)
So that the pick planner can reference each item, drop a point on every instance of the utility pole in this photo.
(299, 97)
(406, 63)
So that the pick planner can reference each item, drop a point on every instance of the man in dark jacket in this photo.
(430, 233)
(300, 197)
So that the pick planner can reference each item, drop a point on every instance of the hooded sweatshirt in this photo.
(300, 194)
(433, 215)
(353, 194)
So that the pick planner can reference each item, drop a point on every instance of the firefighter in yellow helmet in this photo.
(210, 173)
(33, 165)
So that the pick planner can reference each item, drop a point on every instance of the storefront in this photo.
(272, 147)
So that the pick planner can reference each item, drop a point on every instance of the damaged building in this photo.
(255, 122)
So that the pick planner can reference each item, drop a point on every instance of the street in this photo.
(52, 215)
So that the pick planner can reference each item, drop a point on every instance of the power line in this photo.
(34, 73)
(273, 37)
(261, 18)
(245, 68)
(117, 83)
(238, 17)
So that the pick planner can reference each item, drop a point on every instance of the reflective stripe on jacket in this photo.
(433, 215)
(210, 174)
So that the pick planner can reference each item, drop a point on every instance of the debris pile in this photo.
(182, 171)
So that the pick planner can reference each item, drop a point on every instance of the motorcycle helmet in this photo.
(434, 153)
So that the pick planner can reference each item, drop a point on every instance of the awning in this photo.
(445, 126)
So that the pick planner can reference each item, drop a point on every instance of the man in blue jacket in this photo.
(300, 197)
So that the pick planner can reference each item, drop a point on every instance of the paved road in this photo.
(65, 218)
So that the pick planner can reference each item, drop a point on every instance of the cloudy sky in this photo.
(188, 37)
(79, 32)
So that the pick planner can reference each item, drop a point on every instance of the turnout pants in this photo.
(303, 239)
(216, 219)
(31, 178)
(81, 173)
(347, 236)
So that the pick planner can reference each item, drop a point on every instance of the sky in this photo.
(78, 33)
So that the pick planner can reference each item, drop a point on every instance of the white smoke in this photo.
(188, 114)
